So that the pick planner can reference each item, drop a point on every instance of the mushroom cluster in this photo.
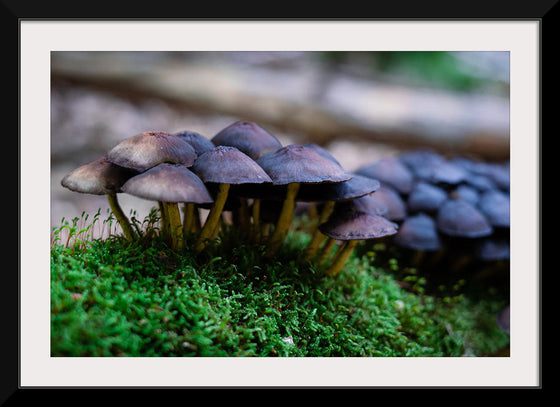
(245, 170)
(420, 200)
(455, 208)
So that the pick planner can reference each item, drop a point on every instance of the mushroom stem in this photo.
(188, 218)
(326, 250)
(284, 220)
(197, 227)
(121, 217)
(256, 214)
(341, 257)
(318, 237)
(213, 218)
(174, 224)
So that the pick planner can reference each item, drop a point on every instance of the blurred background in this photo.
(361, 106)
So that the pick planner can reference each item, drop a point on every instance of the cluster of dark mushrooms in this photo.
(452, 212)
(245, 170)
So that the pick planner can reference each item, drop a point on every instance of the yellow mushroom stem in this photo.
(318, 237)
(326, 250)
(284, 220)
(175, 228)
(121, 217)
(341, 257)
(213, 218)
(189, 211)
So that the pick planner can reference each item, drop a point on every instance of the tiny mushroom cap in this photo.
(367, 203)
(99, 177)
(148, 149)
(200, 143)
(351, 227)
(495, 205)
(248, 137)
(390, 171)
(299, 164)
(425, 197)
(418, 232)
(355, 187)
(447, 173)
(396, 206)
(355, 225)
(168, 183)
(229, 165)
(457, 217)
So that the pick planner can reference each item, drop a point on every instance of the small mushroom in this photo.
(248, 137)
(351, 227)
(495, 205)
(146, 150)
(418, 233)
(330, 194)
(457, 217)
(224, 166)
(169, 184)
(461, 223)
(391, 172)
(396, 206)
(447, 174)
(291, 166)
(367, 203)
(101, 177)
(425, 197)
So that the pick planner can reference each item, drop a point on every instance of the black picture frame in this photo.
(13, 12)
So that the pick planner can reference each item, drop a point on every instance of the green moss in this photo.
(112, 297)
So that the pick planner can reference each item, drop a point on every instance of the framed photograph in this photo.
(207, 65)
